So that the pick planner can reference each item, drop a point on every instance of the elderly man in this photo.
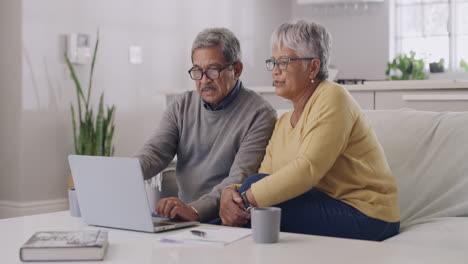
(219, 132)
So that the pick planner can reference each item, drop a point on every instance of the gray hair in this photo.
(220, 37)
(307, 39)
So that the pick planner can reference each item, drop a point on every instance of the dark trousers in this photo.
(316, 213)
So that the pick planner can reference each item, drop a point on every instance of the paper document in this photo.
(212, 236)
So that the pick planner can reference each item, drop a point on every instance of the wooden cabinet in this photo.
(424, 95)
(364, 98)
(426, 100)
(277, 102)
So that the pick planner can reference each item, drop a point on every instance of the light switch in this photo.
(135, 55)
(78, 48)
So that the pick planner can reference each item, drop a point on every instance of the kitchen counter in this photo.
(408, 85)
(429, 95)
(375, 86)
(392, 85)
(426, 95)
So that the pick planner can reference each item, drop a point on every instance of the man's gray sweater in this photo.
(214, 149)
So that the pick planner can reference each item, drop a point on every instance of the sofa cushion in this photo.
(427, 153)
(444, 232)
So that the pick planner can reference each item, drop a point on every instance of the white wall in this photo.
(10, 98)
(360, 36)
(41, 126)
(36, 90)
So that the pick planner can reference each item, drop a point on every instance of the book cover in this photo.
(65, 245)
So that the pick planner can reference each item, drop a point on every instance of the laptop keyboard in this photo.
(155, 224)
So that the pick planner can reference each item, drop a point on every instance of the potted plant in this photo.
(92, 131)
(404, 67)
(464, 64)
(435, 67)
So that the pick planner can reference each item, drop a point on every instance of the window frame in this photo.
(397, 39)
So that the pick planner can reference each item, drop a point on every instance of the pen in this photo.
(198, 233)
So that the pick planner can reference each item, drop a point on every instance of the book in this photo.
(208, 236)
(65, 246)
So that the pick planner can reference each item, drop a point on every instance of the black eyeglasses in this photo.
(212, 74)
(282, 62)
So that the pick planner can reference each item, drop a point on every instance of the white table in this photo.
(136, 247)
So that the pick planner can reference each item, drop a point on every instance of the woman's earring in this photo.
(312, 81)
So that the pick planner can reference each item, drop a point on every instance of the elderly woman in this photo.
(324, 166)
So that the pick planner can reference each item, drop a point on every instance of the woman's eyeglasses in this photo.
(282, 62)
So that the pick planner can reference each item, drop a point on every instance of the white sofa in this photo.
(428, 155)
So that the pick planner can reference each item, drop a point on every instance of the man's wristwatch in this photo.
(245, 201)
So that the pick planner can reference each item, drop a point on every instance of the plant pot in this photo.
(434, 67)
(73, 203)
(71, 184)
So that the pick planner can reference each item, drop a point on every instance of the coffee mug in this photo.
(266, 224)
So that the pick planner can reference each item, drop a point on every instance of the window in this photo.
(434, 29)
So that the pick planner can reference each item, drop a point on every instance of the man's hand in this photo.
(231, 210)
(173, 207)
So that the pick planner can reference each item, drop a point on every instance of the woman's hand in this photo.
(231, 209)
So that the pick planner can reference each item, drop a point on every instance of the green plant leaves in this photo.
(441, 62)
(404, 67)
(99, 125)
(93, 136)
(464, 64)
(91, 73)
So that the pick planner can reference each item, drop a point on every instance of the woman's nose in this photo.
(276, 70)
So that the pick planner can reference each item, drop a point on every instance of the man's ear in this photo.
(238, 67)
(314, 68)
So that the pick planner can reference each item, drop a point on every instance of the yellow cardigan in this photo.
(333, 149)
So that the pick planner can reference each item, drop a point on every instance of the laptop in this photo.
(111, 193)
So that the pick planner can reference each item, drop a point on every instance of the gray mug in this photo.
(266, 224)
